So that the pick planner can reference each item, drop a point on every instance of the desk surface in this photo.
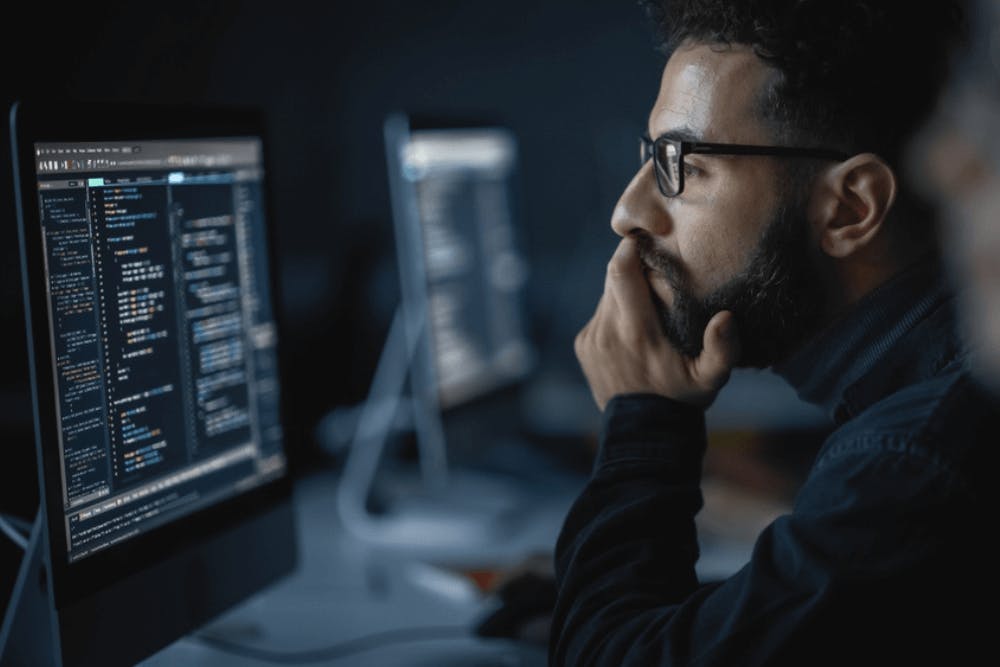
(343, 591)
(349, 593)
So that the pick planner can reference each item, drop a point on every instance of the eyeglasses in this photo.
(668, 157)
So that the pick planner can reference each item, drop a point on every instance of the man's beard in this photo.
(778, 300)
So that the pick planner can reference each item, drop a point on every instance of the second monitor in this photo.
(456, 240)
(459, 333)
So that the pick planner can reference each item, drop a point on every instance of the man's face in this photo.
(736, 238)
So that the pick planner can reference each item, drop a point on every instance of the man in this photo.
(769, 225)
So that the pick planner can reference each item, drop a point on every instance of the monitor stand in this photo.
(27, 636)
(452, 514)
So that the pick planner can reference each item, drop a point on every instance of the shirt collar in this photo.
(844, 369)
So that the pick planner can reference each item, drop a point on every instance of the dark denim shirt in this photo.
(886, 556)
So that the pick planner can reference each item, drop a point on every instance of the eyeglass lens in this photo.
(666, 163)
(668, 167)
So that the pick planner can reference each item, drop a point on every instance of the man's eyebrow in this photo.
(680, 134)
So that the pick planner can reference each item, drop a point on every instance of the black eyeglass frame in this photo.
(652, 149)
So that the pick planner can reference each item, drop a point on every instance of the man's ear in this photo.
(850, 202)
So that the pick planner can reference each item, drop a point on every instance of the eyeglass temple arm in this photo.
(746, 149)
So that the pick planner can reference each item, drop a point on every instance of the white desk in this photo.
(343, 591)
(346, 590)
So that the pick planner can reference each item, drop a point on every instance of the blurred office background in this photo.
(572, 80)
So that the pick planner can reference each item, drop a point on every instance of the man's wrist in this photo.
(643, 427)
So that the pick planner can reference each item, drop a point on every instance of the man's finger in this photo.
(720, 351)
(626, 281)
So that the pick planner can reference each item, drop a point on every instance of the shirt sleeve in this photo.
(867, 526)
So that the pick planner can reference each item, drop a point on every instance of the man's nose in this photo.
(641, 206)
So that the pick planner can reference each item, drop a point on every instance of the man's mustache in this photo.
(655, 259)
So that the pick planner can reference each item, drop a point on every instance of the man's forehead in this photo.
(712, 91)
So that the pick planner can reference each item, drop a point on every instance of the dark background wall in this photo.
(573, 80)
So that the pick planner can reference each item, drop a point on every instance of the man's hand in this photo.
(623, 349)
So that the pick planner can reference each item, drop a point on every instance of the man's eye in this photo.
(691, 170)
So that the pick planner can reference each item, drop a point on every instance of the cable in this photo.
(10, 531)
(343, 649)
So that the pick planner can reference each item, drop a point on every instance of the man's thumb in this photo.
(720, 350)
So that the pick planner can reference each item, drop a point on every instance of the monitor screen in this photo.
(147, 267)
(161, 328)
(459, 183)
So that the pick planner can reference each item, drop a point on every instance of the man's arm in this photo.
(648, 469)
(858, 572)
(625, 558)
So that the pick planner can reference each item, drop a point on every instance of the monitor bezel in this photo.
(34, 122)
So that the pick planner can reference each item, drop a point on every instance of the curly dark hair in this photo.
(858, 75)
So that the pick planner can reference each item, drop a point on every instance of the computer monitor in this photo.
(148, 284)
(453, 184)
(458, 335)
